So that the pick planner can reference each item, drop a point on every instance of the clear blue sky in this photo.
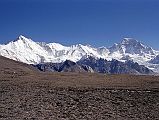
(94, 22)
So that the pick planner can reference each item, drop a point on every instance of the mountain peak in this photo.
(134, 43)
(26, 50)
(129, 41)
(22, 38)
(132, 46)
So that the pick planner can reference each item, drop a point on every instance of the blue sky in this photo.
(94, 22)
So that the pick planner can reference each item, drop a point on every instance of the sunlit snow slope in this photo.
(26, 50)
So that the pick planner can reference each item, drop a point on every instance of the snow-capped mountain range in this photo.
(26, 50)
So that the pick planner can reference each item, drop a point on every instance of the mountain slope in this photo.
(91, 64)
(133, 49)
(155, 60)
(24, 50)
(67, 66)
(11, 68)
(30, 52)
(114, 66)
(132, 46)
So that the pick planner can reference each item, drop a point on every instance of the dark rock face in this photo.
(67, 66)
(129, 67)
(100, 65)
(48, 67)
(91, 64)
(155, 60)
(115, 67)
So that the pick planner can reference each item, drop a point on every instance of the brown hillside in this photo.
(11, 68)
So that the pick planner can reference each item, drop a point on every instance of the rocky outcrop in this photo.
(92, 64)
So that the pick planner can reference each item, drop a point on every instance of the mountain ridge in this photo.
(26, 50)
(94, 65)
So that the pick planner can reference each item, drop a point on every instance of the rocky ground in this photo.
(36, 100)
(42, 102)
(26, 94)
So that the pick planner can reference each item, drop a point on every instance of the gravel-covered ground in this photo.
(26, 94)
(43, 102)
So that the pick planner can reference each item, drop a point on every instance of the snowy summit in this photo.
(26, 50)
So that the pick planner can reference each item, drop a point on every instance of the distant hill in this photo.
(13, 68)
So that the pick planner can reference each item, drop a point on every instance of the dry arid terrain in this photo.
(28, 94)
